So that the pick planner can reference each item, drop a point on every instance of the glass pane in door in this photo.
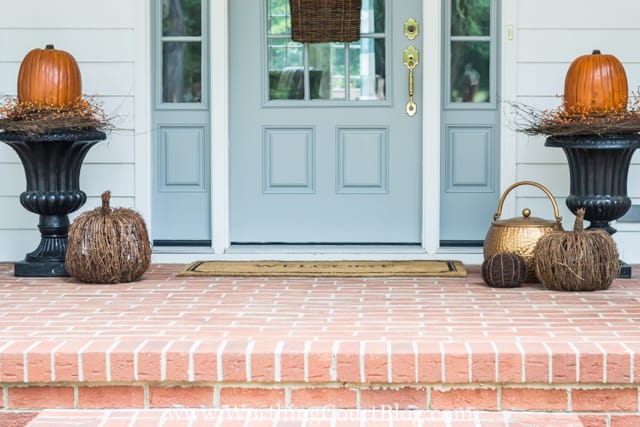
(326, 71)
(181, 18)
(278, 17)
(470, 48)
(470, 17)
(286, 69)
(470, 68)
(367, 69)
(181, 72)
(373, 17)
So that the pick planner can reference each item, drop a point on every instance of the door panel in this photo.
(181, 185)
(470, 181)
(322, 150)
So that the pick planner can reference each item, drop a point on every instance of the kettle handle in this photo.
(556, 212)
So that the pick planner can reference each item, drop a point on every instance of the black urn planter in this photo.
(599, 168)
(52, 163)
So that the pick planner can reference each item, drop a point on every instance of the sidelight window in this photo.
(181, 51)
(471, 47)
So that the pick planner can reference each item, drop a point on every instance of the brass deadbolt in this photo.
(411, 29)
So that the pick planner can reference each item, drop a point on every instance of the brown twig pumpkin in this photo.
(596, 83)
(108, 245)
(504, 270)
(578, 260)
(49, 77)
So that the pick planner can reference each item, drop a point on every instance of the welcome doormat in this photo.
(326, 268)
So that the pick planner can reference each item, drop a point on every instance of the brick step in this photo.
(305, 417)
(317, 362)
(494, 376)
(575, 398)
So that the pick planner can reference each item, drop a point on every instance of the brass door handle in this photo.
(411, 58)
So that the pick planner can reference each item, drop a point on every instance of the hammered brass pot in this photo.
(520, 235)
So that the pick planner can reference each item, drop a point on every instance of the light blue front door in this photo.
(322, 148)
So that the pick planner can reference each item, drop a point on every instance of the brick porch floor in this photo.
(444, 349)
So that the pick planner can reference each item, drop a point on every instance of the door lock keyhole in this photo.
(411, 29)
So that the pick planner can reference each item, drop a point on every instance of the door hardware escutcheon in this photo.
(411, 29)
(411, 58)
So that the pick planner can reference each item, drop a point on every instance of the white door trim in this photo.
(143, 136)
(508, 91)
(432, 100)
(219, 55)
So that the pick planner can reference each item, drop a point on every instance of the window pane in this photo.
(326, 71)
(279, 22)
(181, 18)
(328, 74)
(286, 69)
(470, 66)
(470, 17)
(181, 72)
(367, 70)
(372, 17)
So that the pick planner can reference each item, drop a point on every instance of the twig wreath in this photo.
(596, 102)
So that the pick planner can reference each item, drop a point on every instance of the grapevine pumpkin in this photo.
(596, 83)
(49, 76)
(108, 245)
(578, 260)
(504, 270)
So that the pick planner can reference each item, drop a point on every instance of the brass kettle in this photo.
(520, 235)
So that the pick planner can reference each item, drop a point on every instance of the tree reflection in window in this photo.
(181, 51)
(470, 49)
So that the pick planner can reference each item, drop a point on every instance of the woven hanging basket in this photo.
(108, 245)
(321, 21)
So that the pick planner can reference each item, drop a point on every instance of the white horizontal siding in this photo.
(550, 34)
(101, 35)
(96, 201)
(627, 240)
(563, 45)
(553, 176)
(117, 148)
(98, 79)
(37, 14)
(531, 150)
(120, 110)
(115, 177)
(578, 14)
(22, 242)
(14, 216)
(541, 79)
(85, 44)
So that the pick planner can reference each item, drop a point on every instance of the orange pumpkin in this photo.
(596, 83)
(49, 76)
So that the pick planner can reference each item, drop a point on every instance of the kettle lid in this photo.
(526, 220)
